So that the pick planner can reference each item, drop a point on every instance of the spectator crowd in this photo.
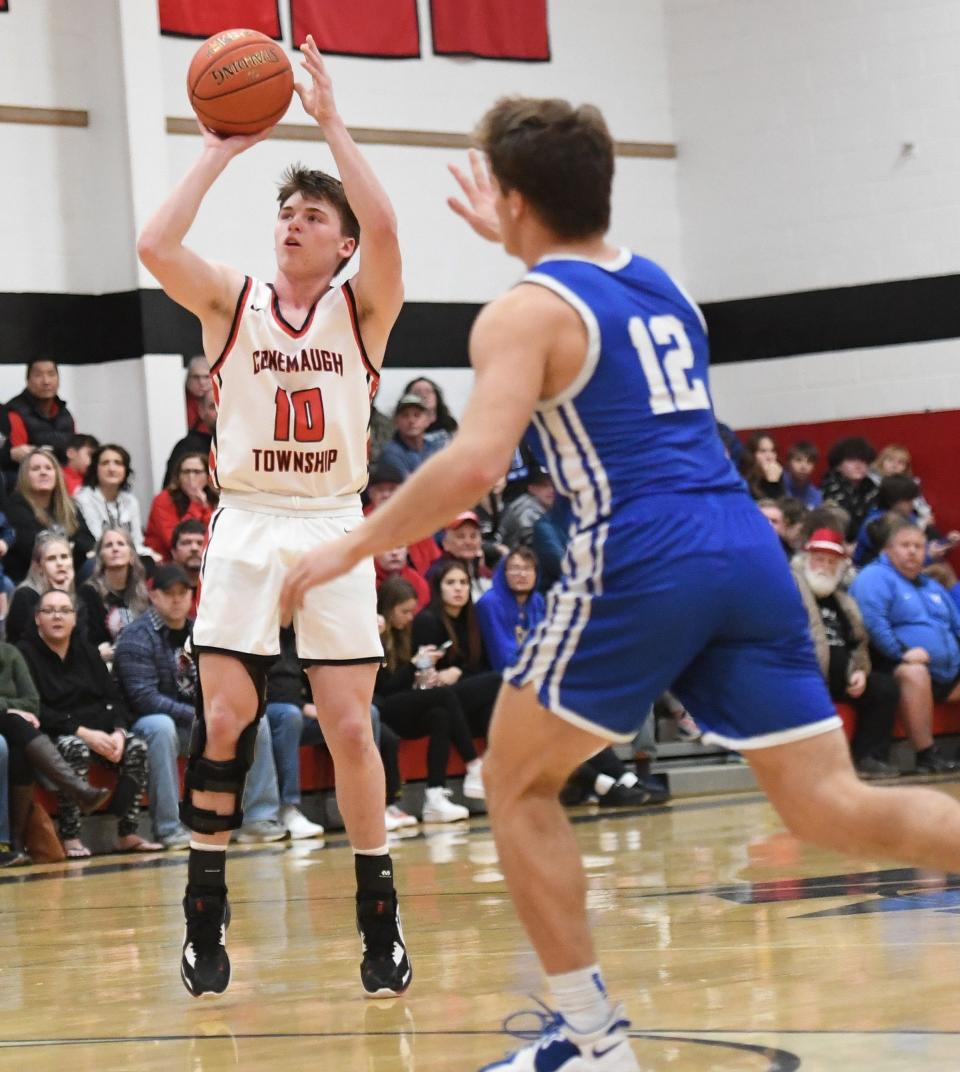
(98, 608)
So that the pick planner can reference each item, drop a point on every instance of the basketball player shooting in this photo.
(673, 578)
(294, 363)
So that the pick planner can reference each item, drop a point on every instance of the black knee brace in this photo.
(220, 776)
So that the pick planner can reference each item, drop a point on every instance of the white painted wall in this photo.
(791, 118)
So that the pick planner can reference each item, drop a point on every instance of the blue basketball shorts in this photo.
(694, 594)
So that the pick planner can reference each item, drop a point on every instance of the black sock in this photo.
(374, 875)
(206, 872)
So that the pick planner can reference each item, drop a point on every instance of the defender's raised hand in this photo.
(317, 98)
(480, 212)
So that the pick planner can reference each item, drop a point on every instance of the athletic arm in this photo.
(206, 289)
(378, 286)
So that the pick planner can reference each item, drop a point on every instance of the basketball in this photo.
(239, 82)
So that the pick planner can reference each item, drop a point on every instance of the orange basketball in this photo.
(239, 82)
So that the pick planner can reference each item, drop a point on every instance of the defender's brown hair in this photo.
(559, 157)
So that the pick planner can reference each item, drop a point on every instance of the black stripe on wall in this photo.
(83, 329)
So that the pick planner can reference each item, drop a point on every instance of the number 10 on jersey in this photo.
(304, 409)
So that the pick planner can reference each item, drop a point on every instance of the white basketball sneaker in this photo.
(439, 808)
(560, 1049)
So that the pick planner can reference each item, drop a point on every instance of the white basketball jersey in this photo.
(293, 404)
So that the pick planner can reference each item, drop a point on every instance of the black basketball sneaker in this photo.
(205, 966)
(385, 969)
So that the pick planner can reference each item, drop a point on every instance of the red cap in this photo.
(462, 519)
(826, 540)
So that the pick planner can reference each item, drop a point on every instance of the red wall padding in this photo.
(491, 29)
(933, 440)
(385, 29)
(202, 18)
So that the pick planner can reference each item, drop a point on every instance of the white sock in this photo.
(628, 780)
(602, 784)
(474, 764)
(581, 998)
(382, 850)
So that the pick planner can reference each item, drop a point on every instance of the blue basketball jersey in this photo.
(672, 576)
(637, 421)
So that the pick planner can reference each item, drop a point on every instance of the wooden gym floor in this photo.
(733, 948)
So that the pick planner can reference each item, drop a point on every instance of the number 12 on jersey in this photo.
(306, 410)
(682, 393)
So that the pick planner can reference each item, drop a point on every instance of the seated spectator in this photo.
(840, 641)
(196, 387)
(82, 710)
(802, 459)
(381, 429)
(489, 512)
(463, 543)
(848, 482)
(45, 416)
(26, 751)
(80, 450)
(189, 540)
(199, 437)
(516, 525)
(116, 593)
(51, 569)
(896, 460)
(158, 680)
(14, 446)
(895, 496)
(187, 496)
(410, 445)
(828, 515)
(396, 564)
(449, 624)
(292, 715)
(511, 609)
(732, 446)
(551, 535)
(794, 515)
(384, 481)
(411, 701)
(914, 629)
(7, 538)
(440, 418)
(773, 512)
(760, 468)
(41, 502)
(105, 501)
(524, 467)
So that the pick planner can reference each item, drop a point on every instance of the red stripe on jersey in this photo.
(285, 325)
(234, 327)
(355, 323)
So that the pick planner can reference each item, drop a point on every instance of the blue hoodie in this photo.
(504, 623)
(900, 614)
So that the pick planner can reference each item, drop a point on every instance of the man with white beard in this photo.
(840, 640)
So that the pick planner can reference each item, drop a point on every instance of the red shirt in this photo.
(164, 519)
(420, 586)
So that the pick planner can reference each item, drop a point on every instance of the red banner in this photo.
(382, 29)
(491, 29)
(203, 18)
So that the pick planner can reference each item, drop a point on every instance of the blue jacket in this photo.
(808, 494)
(146, 669)
(504, 623)
(901, 614)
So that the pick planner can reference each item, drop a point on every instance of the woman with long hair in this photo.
(450, 620)
(105, 500)
(441, 419)
(116, 593)
(412, 704)
(40, 502)
(188, 495)
(51, 567)
(760, 467)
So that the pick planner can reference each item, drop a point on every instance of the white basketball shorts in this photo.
(249, 551)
